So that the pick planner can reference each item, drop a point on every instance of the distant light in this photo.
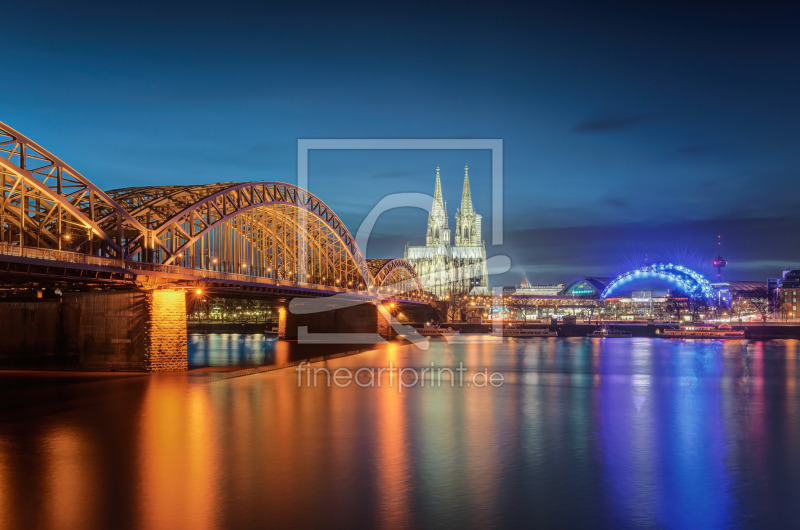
(199, 291)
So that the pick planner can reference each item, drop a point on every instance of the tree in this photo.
(759, 300)
(456, 304)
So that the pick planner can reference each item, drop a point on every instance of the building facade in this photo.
(527, 288)
(446, 269)
(787, 295)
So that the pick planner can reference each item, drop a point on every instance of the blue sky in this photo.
(627, 128)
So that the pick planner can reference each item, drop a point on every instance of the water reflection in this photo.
(585, 433)
(231, 350)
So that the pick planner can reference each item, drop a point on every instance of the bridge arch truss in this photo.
(266, 229)
(270, 229)
(395, 276)
(45, 202)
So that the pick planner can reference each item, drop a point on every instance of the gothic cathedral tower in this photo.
(438, 230)
(446, 269)
(468, 223)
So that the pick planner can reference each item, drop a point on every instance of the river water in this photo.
(579, 433)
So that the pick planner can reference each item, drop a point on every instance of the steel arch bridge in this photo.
(691, 282)
(394, 276)
(263, 229)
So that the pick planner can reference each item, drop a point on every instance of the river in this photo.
(547, 433)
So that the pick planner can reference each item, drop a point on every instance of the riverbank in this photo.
(754, 331)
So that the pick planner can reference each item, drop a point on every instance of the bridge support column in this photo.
(329, 322)
(97, 330)
(165, 331)
(385, 320)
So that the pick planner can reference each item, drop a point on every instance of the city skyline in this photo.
(629, 130)
(422, 264)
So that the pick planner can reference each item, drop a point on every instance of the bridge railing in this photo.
(66, 256)
(233, 276)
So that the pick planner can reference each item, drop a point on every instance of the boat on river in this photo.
(524, 332)
(609, 333)
(701, 331)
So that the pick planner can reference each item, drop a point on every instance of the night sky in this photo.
(628, 129)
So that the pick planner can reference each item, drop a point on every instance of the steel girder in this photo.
(49, 202)
(395, 273)
(177, 217)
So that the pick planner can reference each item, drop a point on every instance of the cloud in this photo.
(612, 123)
(756, 248)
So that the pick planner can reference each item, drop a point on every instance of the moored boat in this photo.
(609, 333)
(524, 332)
(701, 331)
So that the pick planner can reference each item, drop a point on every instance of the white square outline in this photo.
(495, 145)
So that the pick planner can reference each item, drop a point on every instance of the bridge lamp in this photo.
(67, 237)
(214, 261)
(199, 292)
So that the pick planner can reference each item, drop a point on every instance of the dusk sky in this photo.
(628, 128)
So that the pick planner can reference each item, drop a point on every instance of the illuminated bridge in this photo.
(58, 230)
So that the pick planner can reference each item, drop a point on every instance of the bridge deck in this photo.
(19, 264)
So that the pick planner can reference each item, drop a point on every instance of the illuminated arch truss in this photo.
(47, 204)
(690, 282)
(252, 228)
(394, 276)
(269, 229)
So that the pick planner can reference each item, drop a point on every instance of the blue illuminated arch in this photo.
(690, 282)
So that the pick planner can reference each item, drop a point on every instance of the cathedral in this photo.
(444, 268)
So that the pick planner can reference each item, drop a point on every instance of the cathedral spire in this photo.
(468, 223)
(438, 231)
(466, 196)
(437, 192)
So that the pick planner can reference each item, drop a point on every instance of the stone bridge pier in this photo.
(97, 330)
(145, 329)
(323, 320)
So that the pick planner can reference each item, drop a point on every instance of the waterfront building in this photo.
(527, 288)
(787, 294)
(447, 269)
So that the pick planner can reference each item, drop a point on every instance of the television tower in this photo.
(719, 261)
